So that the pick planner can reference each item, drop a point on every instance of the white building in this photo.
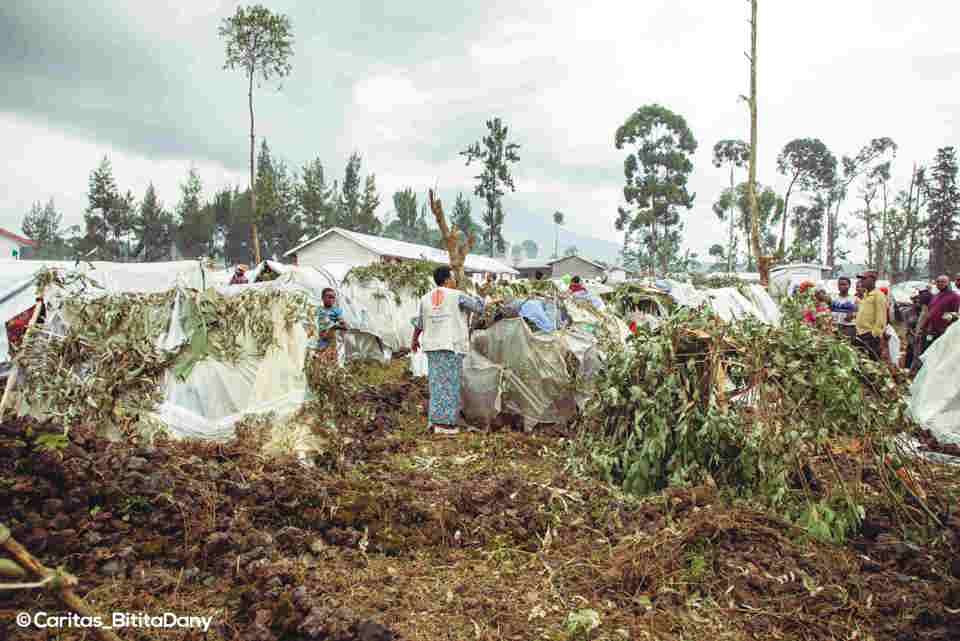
(351, 248)
(12, 246)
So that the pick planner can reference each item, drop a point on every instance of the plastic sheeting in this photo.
(513, 369)
(18, 289)
(215, 395)
(935, 393)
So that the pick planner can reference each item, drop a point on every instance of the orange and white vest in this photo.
(444, 324)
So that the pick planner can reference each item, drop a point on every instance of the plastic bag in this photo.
(418, 363)
(893, 345)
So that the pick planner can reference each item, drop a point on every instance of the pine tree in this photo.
(154, 230)
(348, 206)
(315, 199)
(367, 222)
(943, 205)
(196, 224)
(109, 216)
(42, 225)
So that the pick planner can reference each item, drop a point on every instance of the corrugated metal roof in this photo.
(533, 263)
(410, 251)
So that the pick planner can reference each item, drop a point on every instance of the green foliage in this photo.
(50, 442)
(580, 624)
(108, 366)
(42, 225)
(808, 165)
(110, 218)
(531, 249)
(411, 276)
(195, 224)
(155, 228)
(315, 199)
(657, 170)
(495, 155)
(745, 406)
(943, 204)
(259, 42)
(770, 209)
(463, 218)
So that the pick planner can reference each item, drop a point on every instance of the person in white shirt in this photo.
(442, 331)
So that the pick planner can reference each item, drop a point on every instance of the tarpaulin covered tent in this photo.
(935, 393)
(18, 289)
(204, 357)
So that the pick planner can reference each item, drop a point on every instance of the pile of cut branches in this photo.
(414, 276)
(795, 419)
(107, 365)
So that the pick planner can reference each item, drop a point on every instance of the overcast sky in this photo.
(410, 84)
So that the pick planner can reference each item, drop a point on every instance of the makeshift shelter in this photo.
(189, 359)
(935, 394)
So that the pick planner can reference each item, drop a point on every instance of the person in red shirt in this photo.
(947, 301)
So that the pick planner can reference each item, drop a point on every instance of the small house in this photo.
(13, 246)
(338, 245)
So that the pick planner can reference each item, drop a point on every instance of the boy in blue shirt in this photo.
(844, 308)
(329, 319)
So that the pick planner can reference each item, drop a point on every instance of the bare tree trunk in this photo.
(458, 246)
(763, 262)
(731, 212)
(253, 192)
(786, 208)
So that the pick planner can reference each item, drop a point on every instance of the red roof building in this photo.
(19, 240)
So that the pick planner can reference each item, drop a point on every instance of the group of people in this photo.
(864, 317)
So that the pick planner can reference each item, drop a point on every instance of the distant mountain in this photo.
(540, 229)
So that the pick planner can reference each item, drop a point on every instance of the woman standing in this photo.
(442, 330)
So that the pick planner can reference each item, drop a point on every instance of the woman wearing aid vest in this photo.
(442, 331)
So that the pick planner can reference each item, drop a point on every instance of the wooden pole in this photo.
(14, 373)
(57, 581)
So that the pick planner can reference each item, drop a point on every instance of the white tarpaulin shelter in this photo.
(212, 396)
(935, 392)
(18, 289)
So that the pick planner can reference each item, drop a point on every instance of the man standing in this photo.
(871, 317)
(844, 309)
(442, 324)
(947, 301)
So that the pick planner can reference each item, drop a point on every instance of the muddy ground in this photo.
(394, 534)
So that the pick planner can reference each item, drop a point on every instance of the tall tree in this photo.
(260, 43)
(769, 206)
(736, 154)
(657, 170)
(852, 168)
(42, 225)
(808, 165)
(462, 217)
(531, 249)
(557, 223)
(807, 222)
(494, 153)
(943, 206)
(154, 229)
(763, 262)
(368, 223)
(108, 218)
(406, 210)
(348, 205)
(196, 224)
(315, 199)
(277, 209)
